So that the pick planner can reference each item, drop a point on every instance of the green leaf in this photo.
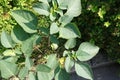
(6, 40)
(45, 75)
(31, 76)
(44, 72)
(44, 1)
(53, 39)
(26, 19)
(54, 3)
(52, 61)
(59, 11)
(62, 75)
(65, 19)
(69, 63)
(49, 0)
(44, 30)
(1, 57)
(9, 52)
(42, 8)
(23, 73)
(54, 28)
(66, 53)
(70, 43)
(63, 4)
(69, 31)
(43, 68)
(28, 63)
(53, 16)
(54, 42)
(27, 46)
(18, 51)
(86, 51)
(84, 70)
(37, 39)
(18, 34)
(74, 8)
(12, 59)
(7, 69)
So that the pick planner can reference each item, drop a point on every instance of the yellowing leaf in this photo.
(9, 53)
(107, 24)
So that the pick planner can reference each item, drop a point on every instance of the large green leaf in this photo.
(69, 63)
(6, 40)
(27, 46)
(1, 57)
(28, 63)
(23, 73)
(62, 75)
(69, 31)
(42, 8)
(52, 61)
(83, 70)
(26, 19)
(44, 30)
(53, 39)
(86, 51)
(37, 39)
(74, 8)
(18, 34)
(65, 19)
(49, 0)
(54, 28)
(44, 72)
(45, 75)
(45, 1)
(43, 68)
(63, 4)
(70, 43)
(31, 76)
(8, 69)
(11, 59)
(18, 51)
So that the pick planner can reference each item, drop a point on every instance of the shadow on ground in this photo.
(109, 72)
(103, 69)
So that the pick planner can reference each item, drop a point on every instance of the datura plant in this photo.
(27, 34)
